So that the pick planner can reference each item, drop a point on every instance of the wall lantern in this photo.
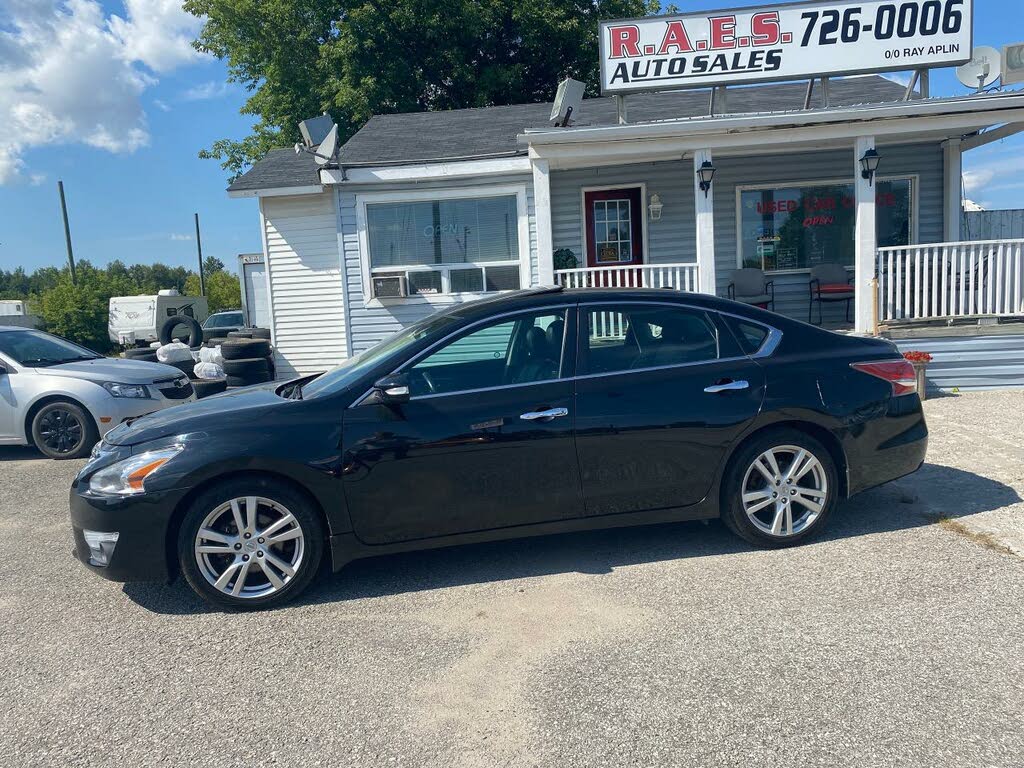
(655, 207)
(706, 173)
(869, 164)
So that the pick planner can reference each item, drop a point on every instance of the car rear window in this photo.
(751, 336)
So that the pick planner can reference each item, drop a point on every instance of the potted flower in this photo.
(920, 361)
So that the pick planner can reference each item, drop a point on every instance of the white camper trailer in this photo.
(138, 319)
(14, 312)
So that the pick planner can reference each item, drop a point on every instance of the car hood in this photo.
(113, 369)
(238, 408)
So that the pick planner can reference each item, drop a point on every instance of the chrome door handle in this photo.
(726, 386)
(551, 413)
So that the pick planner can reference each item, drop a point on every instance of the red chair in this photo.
(829, 282)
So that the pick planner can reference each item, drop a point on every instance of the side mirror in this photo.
(393, 389)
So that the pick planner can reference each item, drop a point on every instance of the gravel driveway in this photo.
(895, 641)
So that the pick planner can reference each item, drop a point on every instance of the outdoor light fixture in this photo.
(869, 164)
(655, 207)
(706, 173)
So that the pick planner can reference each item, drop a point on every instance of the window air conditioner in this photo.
(390, 287)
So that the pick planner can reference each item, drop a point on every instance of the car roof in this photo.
(546, 296)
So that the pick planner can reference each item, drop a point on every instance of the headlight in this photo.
(128, 477)
(125, 390)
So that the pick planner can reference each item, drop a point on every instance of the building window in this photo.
(796, 227)
(459, 245)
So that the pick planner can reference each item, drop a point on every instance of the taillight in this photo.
(899, 373)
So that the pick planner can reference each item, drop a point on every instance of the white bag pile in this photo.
(204, 370)
(211, 355)
(175, 352)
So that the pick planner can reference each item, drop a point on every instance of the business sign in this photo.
(783, 42)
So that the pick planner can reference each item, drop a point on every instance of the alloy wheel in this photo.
(785, 490)
(249, 547)
(61, 431)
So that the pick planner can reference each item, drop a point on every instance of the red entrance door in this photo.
(615, 234)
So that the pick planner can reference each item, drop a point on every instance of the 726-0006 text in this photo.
(911, 19)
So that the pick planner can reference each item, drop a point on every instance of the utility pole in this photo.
(199, 248)
(67, 233)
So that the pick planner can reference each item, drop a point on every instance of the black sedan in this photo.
(535, 412)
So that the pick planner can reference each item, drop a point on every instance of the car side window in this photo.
(631, 337)
(518, 350)
(751, 336)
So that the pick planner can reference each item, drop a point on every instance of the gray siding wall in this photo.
(971, 362)
(992, 225)
(671, 239)
(371, 324)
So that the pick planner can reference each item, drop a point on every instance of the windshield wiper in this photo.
(74, 359)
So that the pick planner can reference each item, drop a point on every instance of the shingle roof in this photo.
(490, 131)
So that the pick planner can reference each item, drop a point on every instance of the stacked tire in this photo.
(248, 357)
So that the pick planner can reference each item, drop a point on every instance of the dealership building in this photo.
(678, 189)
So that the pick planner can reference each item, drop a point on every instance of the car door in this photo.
(484, 442)
(662, 392)
(10, 409)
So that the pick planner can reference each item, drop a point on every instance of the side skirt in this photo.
(347, 547)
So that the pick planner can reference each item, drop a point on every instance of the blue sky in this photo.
(121, 105)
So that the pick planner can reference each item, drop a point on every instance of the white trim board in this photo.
(418, 195)
(456, 169)
(312, 189)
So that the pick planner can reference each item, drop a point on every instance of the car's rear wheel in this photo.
(250, 543)
(780, 489)
(63, 430)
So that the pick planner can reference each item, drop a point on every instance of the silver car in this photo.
(63, 398)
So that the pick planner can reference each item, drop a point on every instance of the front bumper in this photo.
(143, 551)
(117, 410)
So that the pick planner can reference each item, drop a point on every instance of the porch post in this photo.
(542, 215)
(865, 238)
(704, 209)
(952, 203)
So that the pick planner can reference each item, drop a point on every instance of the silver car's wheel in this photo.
(249, 547)
(785, 490)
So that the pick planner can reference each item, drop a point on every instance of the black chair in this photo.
(829, 282)
(748, 285)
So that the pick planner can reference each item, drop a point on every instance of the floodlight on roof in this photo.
(567, 101)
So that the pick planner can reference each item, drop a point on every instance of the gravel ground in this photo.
(893, 641)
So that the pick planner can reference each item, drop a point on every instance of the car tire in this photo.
(147, 355)
(238, 349)
(185, 366)
(246, 366)
(780, 510)
(216, 341)
(212, 565)
(195, 331)
(206, 387)
(250, 379)
(209, 334)
(261, 333)
(243, 333)
(64, 430)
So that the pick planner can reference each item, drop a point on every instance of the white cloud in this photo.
(205, 91)
(179, 237)
(69, 73)
(162, 105)
(903, 78)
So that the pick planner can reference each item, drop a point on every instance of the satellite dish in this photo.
(325, 152)
(315, 129)
(982, 70)
(567, 101)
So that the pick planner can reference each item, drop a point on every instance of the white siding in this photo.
(306, 292)
(371, 324)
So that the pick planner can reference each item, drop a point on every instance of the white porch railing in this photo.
(682, 277)
(969, 279)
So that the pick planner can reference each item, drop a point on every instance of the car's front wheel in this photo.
(779, 489)
(250, 543)
(64, 430)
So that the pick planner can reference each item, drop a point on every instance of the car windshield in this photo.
(38, 350)
(340, 377)
(226, 320)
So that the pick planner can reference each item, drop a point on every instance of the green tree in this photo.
(222, 290)
(357, 58)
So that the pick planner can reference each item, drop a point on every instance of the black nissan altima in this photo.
(539, 411)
